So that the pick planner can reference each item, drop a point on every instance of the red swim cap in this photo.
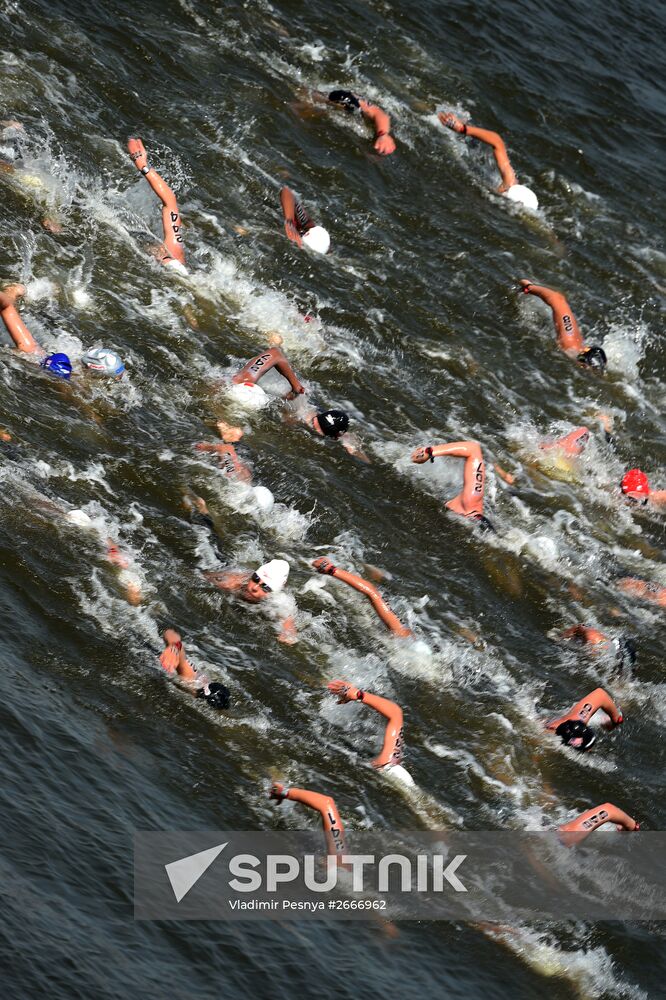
(635, 481)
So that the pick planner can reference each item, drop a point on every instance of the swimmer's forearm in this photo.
(287, 372)
(379, 118)
(390, 619)
(498, 147)
(288, 203)
(328, 811)
(17, 329)
(457, 449)
(592, 819)
(601, 700)
(391, 752)
(556, 300)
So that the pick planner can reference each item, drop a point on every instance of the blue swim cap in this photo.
(58, 364)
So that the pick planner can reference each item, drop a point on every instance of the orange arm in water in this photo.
(384, 142)
(172, 224)
(569, 337)
(491, 139)
(390, 619)
(470, 499)
(16, 328)
(393, 748)
(257, 367)
(325, 806)
(588, 706)
(592, 819)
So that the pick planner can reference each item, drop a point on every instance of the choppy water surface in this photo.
(419, 331)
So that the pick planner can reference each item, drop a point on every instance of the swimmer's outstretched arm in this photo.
(392, 751)
(391, 620)
(571, 444)
(172, 224)
(470, 500)
(325, 806)
(588, 706)
(590, 820)
(384, 142)
(492, 139)
(295, 218)
(569, 337)
(16, 328)
(257, 367)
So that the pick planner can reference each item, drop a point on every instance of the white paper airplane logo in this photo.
(186, 872)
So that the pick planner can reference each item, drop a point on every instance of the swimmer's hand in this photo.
(421, 455)
(384, 144)
(10, 295)
(450, 121)
(137, 152)
(278, 792)
(525, 285)
(170, 658)
(353, 448)
(115, 556)
(292, 232)
(345, 692)
(229, 433)
(325, 566)
(288, 633)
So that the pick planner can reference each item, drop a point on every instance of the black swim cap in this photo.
(626, 650)
(593, 357)
(574, 729)
(333, 423)
(218, 696)
(345, 98)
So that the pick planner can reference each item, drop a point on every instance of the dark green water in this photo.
(418, 331)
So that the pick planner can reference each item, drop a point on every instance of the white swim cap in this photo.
(263, 497)
(103, 361)
(177, 265)
(249, 394)
(523, 196)
(274, 574)
(317, 239)
(400, 774)
(79, 518)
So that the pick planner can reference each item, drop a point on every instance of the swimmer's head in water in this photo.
(345, 99)
(58, 364)
(103, 361)
(333, 423)
(263, 497)
(249, 395)
(217, 696)
(522, 195)
(593, 357)
(635, 485)
(317, 239)
(79, 518)
(626, 650)
(576, 734)
(268, 579)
